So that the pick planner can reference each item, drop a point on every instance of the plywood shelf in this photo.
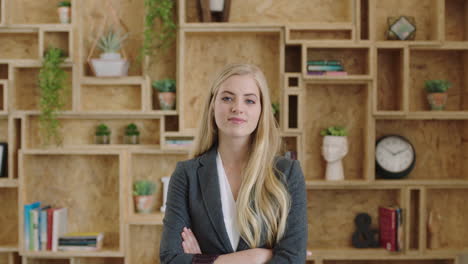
(8, 248)
(8, 183)
(149, 219)
(69, 254)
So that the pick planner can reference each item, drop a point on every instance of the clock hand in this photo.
(403, 150)
(387, 149)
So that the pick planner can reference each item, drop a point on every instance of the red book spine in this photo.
(50, 219)
(387, 226)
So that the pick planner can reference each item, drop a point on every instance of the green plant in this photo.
(52, 93)
(275, 108)
(144, 187)
(64, 4)
(334, 131)
(111, 42)
(102, 130)
(166, 85)
(132, 130)
(160, 11)
(437, 86)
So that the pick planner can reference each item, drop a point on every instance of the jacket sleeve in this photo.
(175, 219)
(293, 246)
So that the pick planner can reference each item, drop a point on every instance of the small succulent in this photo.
(275, 108)
(64, 4)
(334, 131)
(437, 86)
(144, 187)
(102, 130)
(111, 42)
(166, 85)
(132, 130)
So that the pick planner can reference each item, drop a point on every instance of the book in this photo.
(77, 248)
(50, 221)
(327, 73)
(43, 228)
(399, 235)
(325, 68)
(387, 228)
(59, 226)
(27, 208)
(81, 241)
(34, 229)
(323, 62)
(82, 235)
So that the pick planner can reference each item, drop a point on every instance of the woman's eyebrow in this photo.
(249, 94)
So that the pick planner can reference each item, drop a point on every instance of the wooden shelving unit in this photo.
(382, 94)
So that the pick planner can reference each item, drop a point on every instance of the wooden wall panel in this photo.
(111, 97)
(390, 80)
(19, 45)
(144, 244)
(9, 208)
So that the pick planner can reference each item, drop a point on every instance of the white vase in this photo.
(64, 14)
(165, 181)
(216, 5)
(110, 68)
(110, 56)
(334, 149)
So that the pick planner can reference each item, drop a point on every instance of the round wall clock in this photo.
(394, 157)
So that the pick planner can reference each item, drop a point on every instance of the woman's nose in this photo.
(237, 107)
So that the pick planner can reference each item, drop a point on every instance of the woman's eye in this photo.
(226, 99)
(250, 101)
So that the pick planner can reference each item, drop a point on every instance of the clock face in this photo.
(394, 154)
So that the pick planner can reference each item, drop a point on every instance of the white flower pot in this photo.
(110, 68)
(216, 5)
(110, 56)
(334, 148)
(64, 14)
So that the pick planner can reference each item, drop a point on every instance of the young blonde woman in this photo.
(236, 201)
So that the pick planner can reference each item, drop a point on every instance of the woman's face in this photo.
(237, 107)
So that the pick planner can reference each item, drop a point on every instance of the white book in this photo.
(59, 226)
(43, 229)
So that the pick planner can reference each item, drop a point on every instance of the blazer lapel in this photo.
(209, 186)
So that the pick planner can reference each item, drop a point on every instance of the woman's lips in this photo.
(236, 120)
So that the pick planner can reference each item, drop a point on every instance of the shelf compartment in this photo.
(9, 216)
(57, 39)
(425, 13)
(10, 258)
(3, 95)
(327, 230)
(390, 81)
(355, 60)
(34, 12)
(447, 231)
(259, 48)
(402, 260)
(275, 12)
(78, 132)
(363, 28)
(413, 215)
(92, 16)
(4, 69)
(448, 64)
(103, 260)
(47, 261)
(111, 97)
(79, 182)
(323, 106)
(293, 58)
(292, 116)
(19, 45)
(431, 138)
(152, 167)
(26, 91)
(144, 242)
(321, 32)
(456, 20)
(291, 143)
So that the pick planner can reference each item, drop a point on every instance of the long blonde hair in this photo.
(263, 201)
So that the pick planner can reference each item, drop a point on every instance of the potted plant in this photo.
(275, 108)
(52, 91)
(110, 63)
(166, 93)
(437, 93)
(334, 148)
(64, 11)
(159, 27)
(102, 134)
(143, 196)
(132, 134)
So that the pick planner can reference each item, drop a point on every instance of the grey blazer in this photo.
(194, 201)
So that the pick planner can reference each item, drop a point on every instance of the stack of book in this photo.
(89, 241)
(42, 226)
(326, 68)
(391, 228)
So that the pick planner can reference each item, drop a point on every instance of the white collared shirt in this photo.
(228, 204)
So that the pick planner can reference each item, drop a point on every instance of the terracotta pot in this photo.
(167, 100)
(143, 203)
(64, 14)
(437, 101)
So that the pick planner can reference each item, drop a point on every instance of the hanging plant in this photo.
(161, 38)
(52, 91)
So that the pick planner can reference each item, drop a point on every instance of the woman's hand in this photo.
(190, 243)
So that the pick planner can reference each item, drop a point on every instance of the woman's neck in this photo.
(234, 152)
